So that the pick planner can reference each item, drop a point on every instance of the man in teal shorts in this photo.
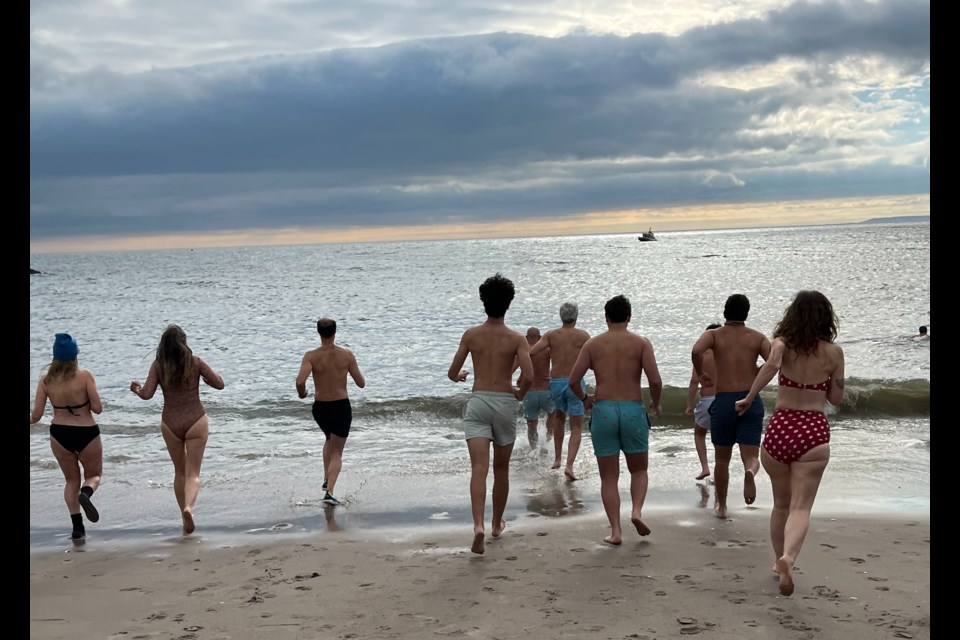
(619, 422)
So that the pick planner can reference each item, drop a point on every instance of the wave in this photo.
(863, 398)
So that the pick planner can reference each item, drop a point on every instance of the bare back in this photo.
(73, 392)
(494, 347)
(564, 345)
(329, 365)
(541, 370)
(736, 350)
(619, 358)
(826, 363)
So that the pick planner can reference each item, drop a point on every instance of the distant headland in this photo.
(925, 218)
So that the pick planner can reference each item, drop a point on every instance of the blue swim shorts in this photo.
(535, 401)
(619, 425)
(563, 398)
(727, 428)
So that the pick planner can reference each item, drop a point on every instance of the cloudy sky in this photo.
(226, 122)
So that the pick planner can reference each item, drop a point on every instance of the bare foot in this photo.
(703, 474)
(720, 510)
(188, 525)
(785, 570)
(749, 487)
(497, 530)
(642, 529)
(555, 465)
(569, 473)
(477, 546)
(613, 539)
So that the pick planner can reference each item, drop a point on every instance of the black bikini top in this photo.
(71, 407)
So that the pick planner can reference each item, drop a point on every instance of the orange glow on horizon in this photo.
(728, 216)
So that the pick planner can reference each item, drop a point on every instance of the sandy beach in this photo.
(858, 577)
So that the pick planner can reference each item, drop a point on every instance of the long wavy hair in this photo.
(174, 357)
(60, 370)
(808, 320)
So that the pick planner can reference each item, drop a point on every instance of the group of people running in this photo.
(793, 449)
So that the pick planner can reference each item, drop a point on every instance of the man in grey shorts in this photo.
(491, 411)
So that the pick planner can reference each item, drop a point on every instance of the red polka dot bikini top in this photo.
(784, 381)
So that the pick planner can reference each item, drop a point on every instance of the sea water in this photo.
(402, 307)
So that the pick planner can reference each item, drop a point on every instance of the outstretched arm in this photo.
(93, 394)
(211, 377)
(149, 387)
(305, 369)
(579, 370)
(456, 372)
(39, 403)
(649, 363)
(525, 381)
(354, 370)
(835, 392)
(696, 355)
(764, 375)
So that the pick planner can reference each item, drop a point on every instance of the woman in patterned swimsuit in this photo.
(183, 423)
(796, 442)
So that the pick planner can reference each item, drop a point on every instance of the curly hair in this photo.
(807, 320)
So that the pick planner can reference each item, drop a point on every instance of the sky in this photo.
(247, 122)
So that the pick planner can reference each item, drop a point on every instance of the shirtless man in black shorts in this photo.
(329, 364)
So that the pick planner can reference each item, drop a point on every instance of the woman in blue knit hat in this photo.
(74, 433)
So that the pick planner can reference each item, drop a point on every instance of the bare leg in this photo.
(781, 484)
(479, 449)
(750, 455)
(721, 478)
(549, 428)
(501, 486)
(333, 460)
(559, 418)
(805, 481)
(70, 466)
(700, 442)
(637, 465)
(609, 468)
(532, 436)
(187, 456)
(573, 446)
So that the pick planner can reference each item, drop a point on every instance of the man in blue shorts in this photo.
(538, 398)
(564, 344)
(619, 421)
(736, 349)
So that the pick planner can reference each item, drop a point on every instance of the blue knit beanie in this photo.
(65, 347)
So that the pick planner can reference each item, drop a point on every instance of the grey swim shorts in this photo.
(491, 415)
(701, 412)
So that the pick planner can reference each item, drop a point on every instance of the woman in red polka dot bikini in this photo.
(796, 442)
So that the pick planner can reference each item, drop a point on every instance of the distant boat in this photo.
(647, 236)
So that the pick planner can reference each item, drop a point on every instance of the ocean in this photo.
(401, 307)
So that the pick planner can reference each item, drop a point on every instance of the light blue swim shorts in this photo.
(536, 401)
(563, 398)
(491, 415)
(619, 425)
